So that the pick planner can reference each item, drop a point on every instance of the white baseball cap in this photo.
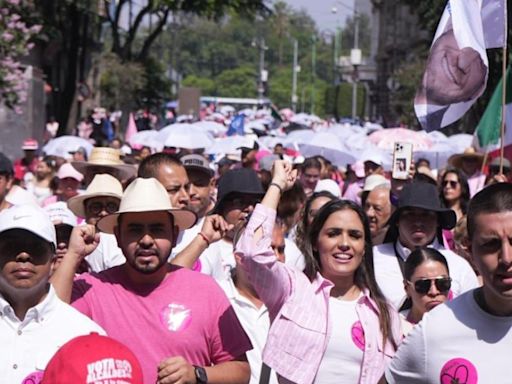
(29, 218)
(329, 186)
(59, 213)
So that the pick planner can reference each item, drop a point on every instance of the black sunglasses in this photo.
(97, 207)
(452, 183)
(422, 286)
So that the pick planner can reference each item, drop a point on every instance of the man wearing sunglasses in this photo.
(468, 340)
(417, 222)
(102, 198)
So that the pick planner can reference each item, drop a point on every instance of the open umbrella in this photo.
(329, 146)
(212, 127)
(147, 138)
(62, 145)
(385, 138)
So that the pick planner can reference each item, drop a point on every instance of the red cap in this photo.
(30, 145)
(93, 359)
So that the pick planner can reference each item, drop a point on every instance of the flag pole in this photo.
(503, 89)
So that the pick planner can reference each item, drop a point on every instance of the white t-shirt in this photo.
(293, 256)
(28, 345)
(185, 237)
(218, 260)
(256, 323)
(106, 255)
(341, 363)
(455, 341)
(391, 282)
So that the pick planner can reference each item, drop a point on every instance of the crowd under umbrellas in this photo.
(225, 249)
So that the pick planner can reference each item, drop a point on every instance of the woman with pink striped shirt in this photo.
(330, 324)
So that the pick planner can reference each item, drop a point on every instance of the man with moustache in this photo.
(178, 323)
(34, 322)
(377, 207)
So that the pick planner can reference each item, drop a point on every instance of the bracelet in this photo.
(277, 186)
(203, 236)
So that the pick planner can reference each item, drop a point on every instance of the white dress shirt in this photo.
(389, 276)
(28, 345)
(256, 324)
(106, 255)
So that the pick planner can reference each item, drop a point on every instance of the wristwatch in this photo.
(201, 376)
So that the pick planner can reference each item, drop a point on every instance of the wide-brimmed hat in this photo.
(243, 181)
(423, 195)
(103, 185)
(469, 154)
(147, 195)
(109, 158)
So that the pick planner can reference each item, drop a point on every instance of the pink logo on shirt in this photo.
(459, 371)
(175, 317)
(197, 266)
(358, 335)
(33, 378)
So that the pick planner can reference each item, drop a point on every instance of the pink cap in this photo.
(67, 170)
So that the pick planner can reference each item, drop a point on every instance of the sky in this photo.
(321, 11)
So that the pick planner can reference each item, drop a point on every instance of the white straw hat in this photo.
(103, 185)
(147, 195)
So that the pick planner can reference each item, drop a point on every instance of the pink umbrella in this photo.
(385, 138)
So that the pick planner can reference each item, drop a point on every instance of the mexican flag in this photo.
(487, 133)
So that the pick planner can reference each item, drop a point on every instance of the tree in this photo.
(123, 44)
(15, 36)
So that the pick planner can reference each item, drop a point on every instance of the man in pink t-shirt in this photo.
(179, 323)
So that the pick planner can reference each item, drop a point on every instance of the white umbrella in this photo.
(147, 138)
(227, 109)
(189, 140)
(300, 136)
(437, 155)
(230, 144)
(460, 141)
(214, 128)
(62, 145)
(329, 146)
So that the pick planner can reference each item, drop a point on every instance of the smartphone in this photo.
(402, 159)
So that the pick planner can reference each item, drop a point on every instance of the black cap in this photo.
(243, 181)
(6, 165)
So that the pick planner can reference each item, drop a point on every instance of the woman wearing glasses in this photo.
(454, 194)
(330, 324)
(427, 283)
(454, 191)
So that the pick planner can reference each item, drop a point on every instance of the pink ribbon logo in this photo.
(459, 371)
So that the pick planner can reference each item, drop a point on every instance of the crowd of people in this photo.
(169, 267)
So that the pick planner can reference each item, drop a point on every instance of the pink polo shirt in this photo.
(298, 309)
(187, 315)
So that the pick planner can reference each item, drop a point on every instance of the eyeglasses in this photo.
(452, 183)
(422, 286)
(98, 207)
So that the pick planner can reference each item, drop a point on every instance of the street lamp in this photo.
(295, 69)
(263, 74)
(355, 56)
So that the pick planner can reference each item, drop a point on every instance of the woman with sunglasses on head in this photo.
(330, 324)
(427, 283)
(454, 191)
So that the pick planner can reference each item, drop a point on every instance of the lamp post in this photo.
(263, 74)
(294, 76)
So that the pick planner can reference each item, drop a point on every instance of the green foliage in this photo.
(206, 85)
(120, 82)
(237, 82)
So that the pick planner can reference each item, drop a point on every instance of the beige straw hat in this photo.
(106, 158)
(102, 185)
(147, 195)
(469, 153)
